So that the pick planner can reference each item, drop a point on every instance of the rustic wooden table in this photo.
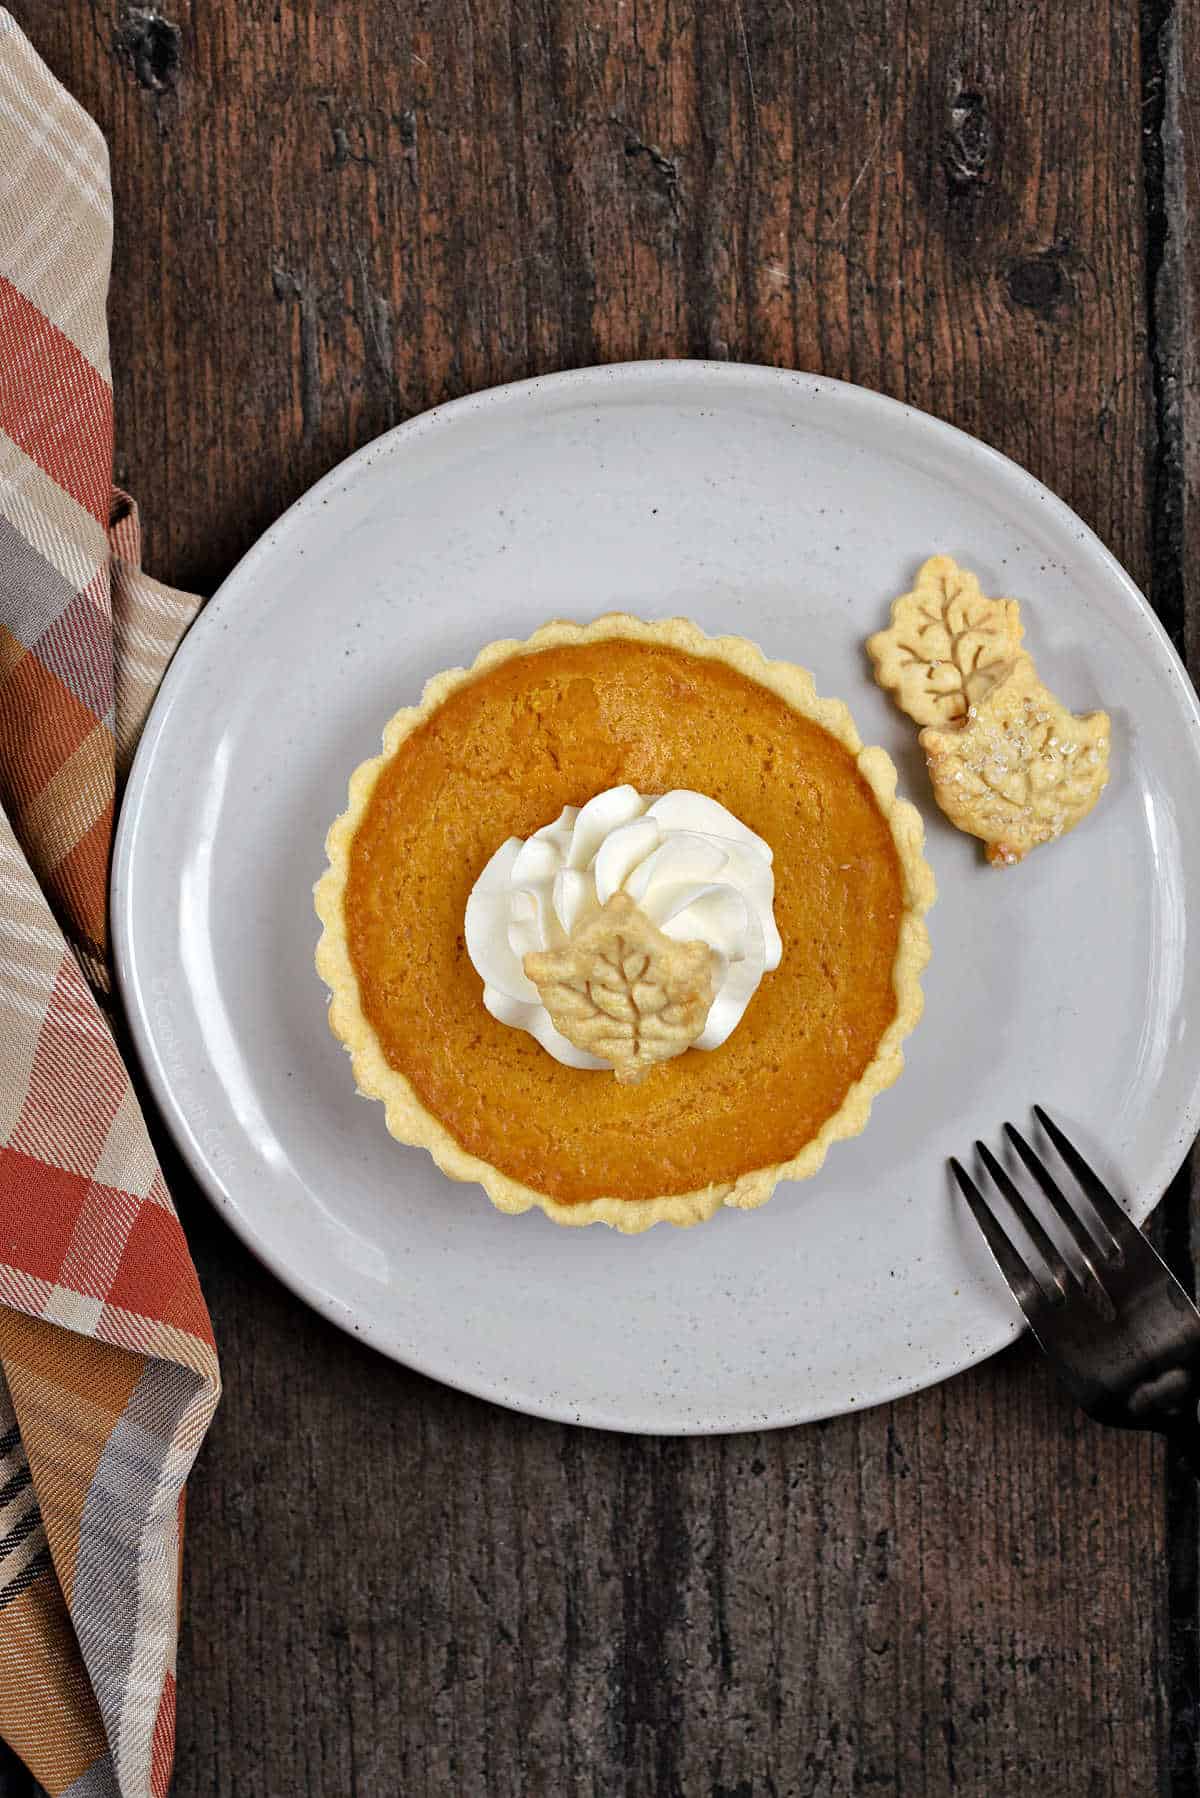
(334, 213)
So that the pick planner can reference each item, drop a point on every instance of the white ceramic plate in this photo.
(785, 508)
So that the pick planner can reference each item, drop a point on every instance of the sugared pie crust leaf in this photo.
(1022, 769)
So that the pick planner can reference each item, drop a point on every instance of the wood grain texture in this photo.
(1177, 284)
(1171, 87)
(332, 215)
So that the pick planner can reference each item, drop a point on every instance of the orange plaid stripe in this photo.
(56, 403)
(108, 1372)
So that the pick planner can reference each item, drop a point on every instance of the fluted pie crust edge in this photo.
(409, 1121)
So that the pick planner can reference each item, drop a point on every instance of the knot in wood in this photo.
(1039, 282)
(153, 47)
(967, 141)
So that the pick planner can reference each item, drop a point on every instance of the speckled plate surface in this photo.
(790, 510)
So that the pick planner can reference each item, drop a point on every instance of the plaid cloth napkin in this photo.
(108, 1373)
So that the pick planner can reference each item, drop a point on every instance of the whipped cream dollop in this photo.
(684, 860)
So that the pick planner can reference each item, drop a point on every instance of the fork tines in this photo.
(1048, 1276)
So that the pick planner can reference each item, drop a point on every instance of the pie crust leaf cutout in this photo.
(947, 644)
(1022, 769)
(623, 991)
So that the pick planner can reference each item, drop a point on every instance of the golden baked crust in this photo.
(412, 1122)
(1022, 769)
(1007, 761)
(947, 644)
(624, 991)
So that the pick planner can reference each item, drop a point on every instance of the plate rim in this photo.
(603, 377)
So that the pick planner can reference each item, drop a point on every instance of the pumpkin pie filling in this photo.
(500, 757)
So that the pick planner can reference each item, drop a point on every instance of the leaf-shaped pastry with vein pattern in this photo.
(1022, 769)
(947, 644)
(624, 991)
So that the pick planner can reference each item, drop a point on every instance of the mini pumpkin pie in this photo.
(624, 923)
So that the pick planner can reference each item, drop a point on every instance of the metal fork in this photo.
(1119, 1329)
